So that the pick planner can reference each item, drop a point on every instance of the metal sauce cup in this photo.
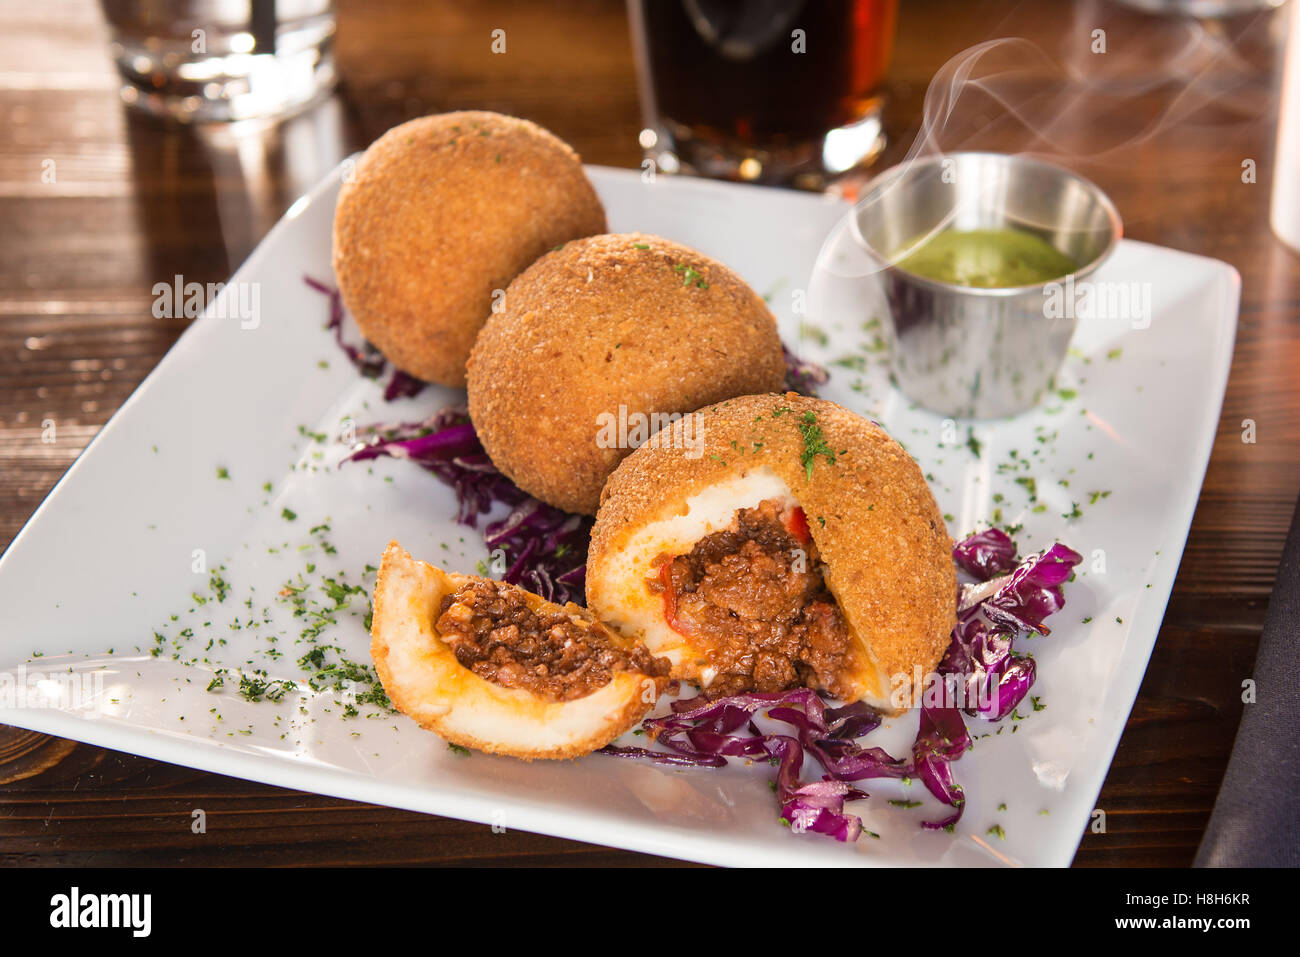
(970, 352)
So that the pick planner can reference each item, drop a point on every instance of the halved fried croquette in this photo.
(438, 214)
(804, 548)
(490, 666)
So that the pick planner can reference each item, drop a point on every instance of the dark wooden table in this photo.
(132, 202)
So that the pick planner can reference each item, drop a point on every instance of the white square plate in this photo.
(111, 555)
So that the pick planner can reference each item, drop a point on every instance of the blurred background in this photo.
(133, 150)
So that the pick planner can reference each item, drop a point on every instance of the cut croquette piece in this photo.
(870, 529)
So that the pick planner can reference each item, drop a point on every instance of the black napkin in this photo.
(1256, 820)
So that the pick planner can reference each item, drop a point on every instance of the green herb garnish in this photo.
(254, 689)
(691, 276)
(814, 444)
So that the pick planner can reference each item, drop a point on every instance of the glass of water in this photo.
(222, 60)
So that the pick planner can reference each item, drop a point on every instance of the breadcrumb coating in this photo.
(438, 214)
(879, 532)
(606, 330)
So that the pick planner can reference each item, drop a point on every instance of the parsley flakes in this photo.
(814, 444)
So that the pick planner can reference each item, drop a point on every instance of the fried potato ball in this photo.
(602, 342)
(857, 511)
(438, 214)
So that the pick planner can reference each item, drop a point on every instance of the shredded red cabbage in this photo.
(982, 656)
(700, 733)
(534, 545)
(986, 554)
(365, 357)
(403, 386)
(941, 739)
(801, 375)
(1034, 590)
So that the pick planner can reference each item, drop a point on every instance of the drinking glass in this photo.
(199, 60)
(768, 91)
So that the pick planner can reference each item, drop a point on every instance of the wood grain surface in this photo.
(133, 201)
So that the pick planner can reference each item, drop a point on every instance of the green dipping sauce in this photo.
(988, 258)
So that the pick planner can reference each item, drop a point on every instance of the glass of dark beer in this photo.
(770, 91)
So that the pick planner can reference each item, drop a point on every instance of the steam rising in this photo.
(1117, 91)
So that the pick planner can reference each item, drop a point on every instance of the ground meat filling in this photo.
(752, 596)
(492, 632)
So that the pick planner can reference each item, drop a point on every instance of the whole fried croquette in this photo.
(438, 214)
(803, 548)
(599, 344)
